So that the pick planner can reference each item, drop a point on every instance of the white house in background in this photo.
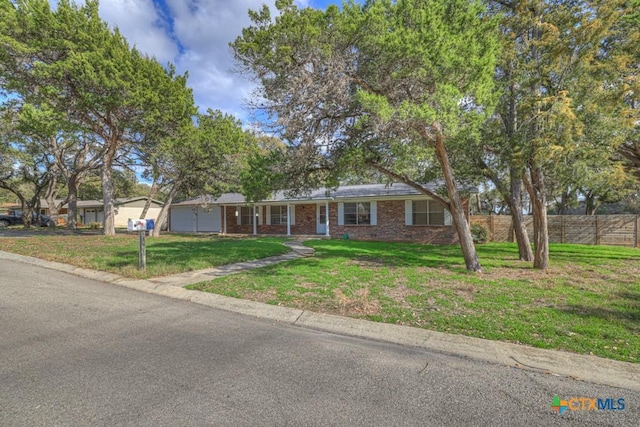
(92, 210)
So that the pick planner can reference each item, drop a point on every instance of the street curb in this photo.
(577, 366)
(553, 362)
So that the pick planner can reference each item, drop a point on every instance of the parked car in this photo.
(7, 220)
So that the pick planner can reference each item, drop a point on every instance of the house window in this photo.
(357, 213)
(426, 212)
(246, 215)
(278, 215)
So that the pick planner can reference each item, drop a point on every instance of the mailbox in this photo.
(136, 225)
(140, 224)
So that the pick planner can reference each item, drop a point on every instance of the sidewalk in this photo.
(190, 277)
(580, 367)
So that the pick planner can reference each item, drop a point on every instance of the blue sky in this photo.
(194, 35)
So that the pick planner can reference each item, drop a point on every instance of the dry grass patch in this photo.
(366, 262)
(400, 293)
(360, 303)
(466, 292)
(261, 296)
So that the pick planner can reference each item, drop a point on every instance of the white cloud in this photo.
(205, 28)
(139, 22)
(196, 39)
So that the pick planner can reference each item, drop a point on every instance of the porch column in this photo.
(326, 213)
(224, 219)
(288, 220)
(255, 221)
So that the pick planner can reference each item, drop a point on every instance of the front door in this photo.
(321, 219)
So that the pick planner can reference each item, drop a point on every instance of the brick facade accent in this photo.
(305, 219)
(391, 225)
(305, 222)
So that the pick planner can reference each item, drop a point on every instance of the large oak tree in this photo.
(70, 61)
(389, 85)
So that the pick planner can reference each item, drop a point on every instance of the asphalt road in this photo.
(79, 352)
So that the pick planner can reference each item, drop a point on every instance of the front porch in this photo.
(300, 219)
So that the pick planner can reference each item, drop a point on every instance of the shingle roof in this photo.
(342, 192)
(224, 199)
(118, 202)
(370, 190)
(95, 203)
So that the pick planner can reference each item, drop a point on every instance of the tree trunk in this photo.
(535, 186)
(536, 191)
(590, 203)
(466, 240)
(519, 228)
(72, 203)
(108, 202)
(108, 199)
(563, 209)
(26, 212)
(152, 193)
(512, 197)
(162, 216)
(50, 195)
(456, 208)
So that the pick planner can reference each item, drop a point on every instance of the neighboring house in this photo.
(92, 210)
(368, 212)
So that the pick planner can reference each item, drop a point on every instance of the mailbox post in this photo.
(141, 226)
(142, 250)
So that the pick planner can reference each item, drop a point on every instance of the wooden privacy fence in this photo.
(615, 230)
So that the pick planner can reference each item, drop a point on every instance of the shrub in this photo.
(95, 225)
(479, 233)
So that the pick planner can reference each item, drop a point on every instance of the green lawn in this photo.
(168, 254)
(587, 302)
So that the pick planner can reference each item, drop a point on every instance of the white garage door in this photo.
(209, 219)
(182, 220)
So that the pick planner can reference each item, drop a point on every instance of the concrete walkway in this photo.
(576, 366)
(190, 277)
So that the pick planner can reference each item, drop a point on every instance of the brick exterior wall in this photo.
(305, 219)
(391, 225)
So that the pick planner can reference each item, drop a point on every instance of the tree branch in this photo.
(411, 183)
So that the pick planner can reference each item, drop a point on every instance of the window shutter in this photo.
(238, 215)
(293, 215)
(408, 212)
(448, 219)
(374, 213)
(268, 215)
(259, 215)
(340, 213)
